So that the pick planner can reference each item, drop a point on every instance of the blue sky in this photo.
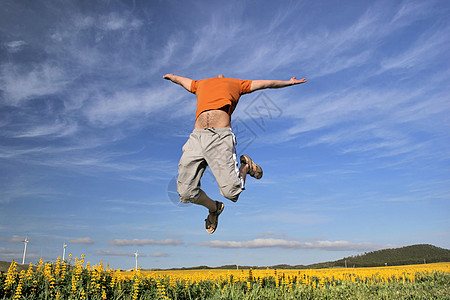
(355, 160)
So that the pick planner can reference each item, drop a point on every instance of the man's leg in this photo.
(243, 170)
(190, 170)
(215, 209)
(205, 201)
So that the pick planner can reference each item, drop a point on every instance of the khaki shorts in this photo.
(214, 148)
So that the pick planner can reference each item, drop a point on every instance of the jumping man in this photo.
(212, 143)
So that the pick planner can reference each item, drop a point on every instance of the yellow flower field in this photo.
(80, 280)
(376, 275)
(287, 277)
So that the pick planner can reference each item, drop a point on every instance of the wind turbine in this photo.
(25, 250)
(135, 256)
(64, 251)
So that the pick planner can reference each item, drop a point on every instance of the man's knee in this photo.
(185, 199)
(188, 197)
(231, 192)
(233, 198)
(188, 194)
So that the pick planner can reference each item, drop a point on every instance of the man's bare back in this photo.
(213, 119)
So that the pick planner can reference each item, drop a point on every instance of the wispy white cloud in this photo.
(84, 241)
(127, 105)
(324, 51)
(169, 51)
(143, 242)
(16, 239)
(114, 21)
(23, 188)
(282, 243)
(9, 254)
(333, 108)
(160, 254)
(366, 119)
(411, 11)
(21, 84)
(58, 129)
(339, 63)
(75, 50)
(218, 35)
(15, 46)
(83, 160)
(425, 49)
(117, 253)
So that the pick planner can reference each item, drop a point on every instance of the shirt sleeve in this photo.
(246, 86)
(194, 86)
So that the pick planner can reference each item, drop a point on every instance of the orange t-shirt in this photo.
(214, 93)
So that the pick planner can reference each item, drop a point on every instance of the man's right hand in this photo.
(294, 80)
(168, 76)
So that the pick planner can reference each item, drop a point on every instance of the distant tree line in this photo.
(409, 255)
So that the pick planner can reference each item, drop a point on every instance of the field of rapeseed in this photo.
(80, 280)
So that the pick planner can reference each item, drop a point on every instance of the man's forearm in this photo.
(275, 84)
(183, 81)
(174, 78)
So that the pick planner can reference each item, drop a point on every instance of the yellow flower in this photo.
(11, 276)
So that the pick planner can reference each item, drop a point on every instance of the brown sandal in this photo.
(212, 221)
(258, 173)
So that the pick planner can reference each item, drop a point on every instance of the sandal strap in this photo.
(213, 225)
(247, 161)
(219, 208)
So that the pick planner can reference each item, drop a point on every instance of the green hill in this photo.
(4, 266)
(416, 254)
(409, 255)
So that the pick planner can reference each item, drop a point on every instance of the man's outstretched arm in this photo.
(274, 84)
(183, 81)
